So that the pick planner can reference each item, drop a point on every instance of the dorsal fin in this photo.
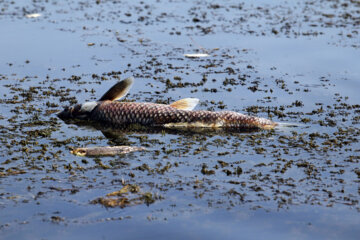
(185, 104)
(119, 90)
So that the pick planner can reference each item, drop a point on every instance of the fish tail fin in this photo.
(185, 104)
(270, 126)
(287, 127)
(288, 124)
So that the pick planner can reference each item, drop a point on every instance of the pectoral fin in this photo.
(185, 104)
(119, 90)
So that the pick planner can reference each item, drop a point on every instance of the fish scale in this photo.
(121, 113)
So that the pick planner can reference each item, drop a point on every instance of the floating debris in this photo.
(129, 195)
(196, 55)
(105, 151)
(33, 15)
(10, 172)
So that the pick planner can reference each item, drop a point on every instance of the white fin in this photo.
(119, 90)
(185, 104)
(88, 106)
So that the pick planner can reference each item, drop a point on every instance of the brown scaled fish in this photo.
(108, 110)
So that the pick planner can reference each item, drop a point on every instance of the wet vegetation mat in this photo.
(295, 62)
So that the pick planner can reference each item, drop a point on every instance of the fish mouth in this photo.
(65, 114)
(79, 152)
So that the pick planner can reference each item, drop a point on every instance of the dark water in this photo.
(294, 62)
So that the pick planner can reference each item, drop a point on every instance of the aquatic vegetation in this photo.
(269, 60)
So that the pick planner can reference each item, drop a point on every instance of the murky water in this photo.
(294, 62)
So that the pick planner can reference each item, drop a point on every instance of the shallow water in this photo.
(294, 62)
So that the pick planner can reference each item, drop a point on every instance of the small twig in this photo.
(198, 45)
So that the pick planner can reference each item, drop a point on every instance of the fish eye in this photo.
(77, 107)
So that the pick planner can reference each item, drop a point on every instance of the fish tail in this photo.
(238, 120)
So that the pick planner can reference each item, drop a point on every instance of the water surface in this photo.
(294, 62)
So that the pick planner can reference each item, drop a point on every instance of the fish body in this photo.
(105, 151)
(176, 115)
(151, 114)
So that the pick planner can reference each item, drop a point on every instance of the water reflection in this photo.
(119, 131)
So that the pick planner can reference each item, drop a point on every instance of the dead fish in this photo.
(105, 151)
(179, 114)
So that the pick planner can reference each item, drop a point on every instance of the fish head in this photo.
(79, 152)
(72, 112)
(83, 111)
(79, 111)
